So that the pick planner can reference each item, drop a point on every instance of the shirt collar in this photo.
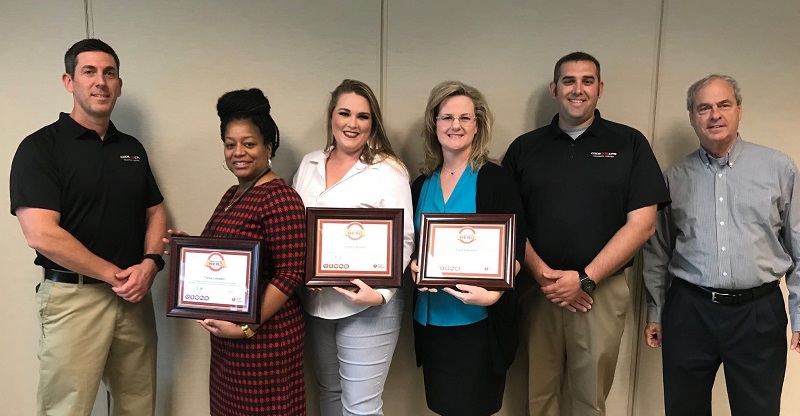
(74, 130)
(729, 158)
(321, 157)
(594, 129)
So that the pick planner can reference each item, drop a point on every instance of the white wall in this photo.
(179, 56)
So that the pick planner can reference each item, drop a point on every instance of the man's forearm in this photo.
(624, 244)
(156, 228)
(44, 235)
(535, 265)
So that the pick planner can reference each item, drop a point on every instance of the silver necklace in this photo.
(453, 172)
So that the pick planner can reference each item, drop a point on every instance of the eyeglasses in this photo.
(464, 119)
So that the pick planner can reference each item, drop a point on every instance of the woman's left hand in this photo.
(415, 275)
(223, 329)
(363, 294)
(474, 295)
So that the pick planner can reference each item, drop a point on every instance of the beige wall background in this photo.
(179, 56)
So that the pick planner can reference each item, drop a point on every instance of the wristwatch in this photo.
(159, 261)
(587, 284)
(247, 331)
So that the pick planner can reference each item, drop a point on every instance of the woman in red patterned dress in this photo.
(258, 369)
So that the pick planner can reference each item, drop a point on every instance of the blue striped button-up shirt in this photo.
(733, 224)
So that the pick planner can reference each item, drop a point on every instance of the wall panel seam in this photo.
(89, 16)
(638, 292)
(382, 65)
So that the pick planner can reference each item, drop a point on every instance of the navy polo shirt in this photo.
(101, 188)
(577, 193)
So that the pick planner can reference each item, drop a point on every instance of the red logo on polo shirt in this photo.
(604, 154)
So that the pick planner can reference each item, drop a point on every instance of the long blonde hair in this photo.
(377, 147)
(483, 115)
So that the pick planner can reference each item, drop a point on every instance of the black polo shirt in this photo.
(577, 193)
(101, 188)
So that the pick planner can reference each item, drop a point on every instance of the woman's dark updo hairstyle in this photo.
(251, 105)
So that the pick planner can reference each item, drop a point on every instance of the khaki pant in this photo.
(583, 347)
(88, 333)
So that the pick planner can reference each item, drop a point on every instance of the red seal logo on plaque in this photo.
(215, 261)
(355, 231)
(467, 235)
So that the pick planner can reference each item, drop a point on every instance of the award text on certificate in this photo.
(214, 280)
(466, 251)
(352, 248)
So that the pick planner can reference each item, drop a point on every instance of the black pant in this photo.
(748, 339)
(459, 378)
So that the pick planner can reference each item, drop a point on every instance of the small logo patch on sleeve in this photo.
(130, 158)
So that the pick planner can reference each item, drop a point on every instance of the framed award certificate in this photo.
(214, 278)
(472, 249)
(348, 243)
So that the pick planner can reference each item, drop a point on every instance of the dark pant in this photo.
(459, 378)
(749, 339)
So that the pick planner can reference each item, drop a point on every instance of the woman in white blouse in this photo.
(352, 334)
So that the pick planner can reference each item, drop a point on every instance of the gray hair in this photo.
(702, 82)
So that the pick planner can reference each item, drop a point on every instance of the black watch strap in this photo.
(157, 259)
(587, 284)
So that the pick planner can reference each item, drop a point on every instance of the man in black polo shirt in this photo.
(88, 204)
(591, 188)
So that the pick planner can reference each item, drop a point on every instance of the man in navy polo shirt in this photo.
(89, 205)
(591, 188)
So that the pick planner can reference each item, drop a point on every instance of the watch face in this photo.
(587, 285)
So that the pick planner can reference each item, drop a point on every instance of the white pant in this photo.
(351, 357)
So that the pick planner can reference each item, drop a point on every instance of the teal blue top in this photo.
(442, 308)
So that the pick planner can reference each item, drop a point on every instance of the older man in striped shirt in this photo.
(713, 267)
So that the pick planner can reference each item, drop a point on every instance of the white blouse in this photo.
(381, 185)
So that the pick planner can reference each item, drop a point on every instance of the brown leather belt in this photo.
(62, 276)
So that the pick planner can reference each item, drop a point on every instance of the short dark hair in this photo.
(251, 105)
(574, 57)
(86, 45)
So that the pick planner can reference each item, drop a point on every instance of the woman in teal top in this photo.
(440, 308)
(465, 338)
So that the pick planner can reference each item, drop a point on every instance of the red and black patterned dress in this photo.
(263, 375)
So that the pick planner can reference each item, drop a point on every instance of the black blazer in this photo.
(496, 194)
